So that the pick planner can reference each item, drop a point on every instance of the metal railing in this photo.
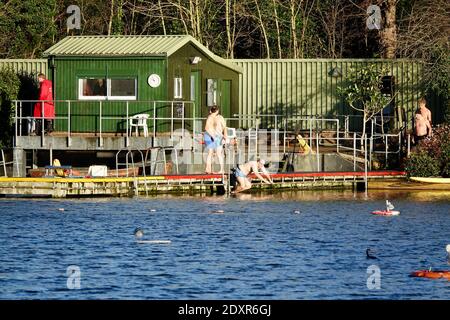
(174, 116)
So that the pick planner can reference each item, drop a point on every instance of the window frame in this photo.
(108, 89)
(178, 88)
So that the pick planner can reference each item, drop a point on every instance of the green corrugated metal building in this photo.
(307, 87)
(113, 69)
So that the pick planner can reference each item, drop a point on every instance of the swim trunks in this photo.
(239, 173)
(210, 143)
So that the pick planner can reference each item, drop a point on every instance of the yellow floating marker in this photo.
(59, 172)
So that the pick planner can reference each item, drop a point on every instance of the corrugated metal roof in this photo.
(25, 65)
(129, 46)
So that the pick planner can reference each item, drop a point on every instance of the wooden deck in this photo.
(58, 187)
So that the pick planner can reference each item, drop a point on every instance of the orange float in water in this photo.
(437, 274)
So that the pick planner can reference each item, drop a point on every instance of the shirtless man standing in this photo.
(242, 172)
(422, 122)
(215, 135)
(422, 126)
(426, 113)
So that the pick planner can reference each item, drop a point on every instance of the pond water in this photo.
(258, 248)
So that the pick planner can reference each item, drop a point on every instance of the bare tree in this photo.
(388, 34)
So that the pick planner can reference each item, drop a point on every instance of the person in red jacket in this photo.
(44, 108)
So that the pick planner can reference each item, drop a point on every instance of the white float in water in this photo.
(60, 209)
(139, 233)
(217, 211)
(152, 210)
(296, 211)
(154, 241)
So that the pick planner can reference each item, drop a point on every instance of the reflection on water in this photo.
(329, 195)
(252, 246)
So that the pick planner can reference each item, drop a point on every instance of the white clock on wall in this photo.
(154, 80)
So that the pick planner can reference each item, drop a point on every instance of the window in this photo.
(92, 89)
(177, 88)
(106, 89)
(211, 98)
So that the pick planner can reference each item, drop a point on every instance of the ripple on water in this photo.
(256, 249)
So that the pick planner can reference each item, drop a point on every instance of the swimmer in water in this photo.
(369, 256)
(138, 233)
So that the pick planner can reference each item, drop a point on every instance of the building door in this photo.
(196, 97)
(225, 98)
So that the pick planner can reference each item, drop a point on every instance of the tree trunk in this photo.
(277, 24)
(363, 145)
(228, 30)
(162, 17)
(389, 32)
(294, 29)
(263, 29)
(111, 17)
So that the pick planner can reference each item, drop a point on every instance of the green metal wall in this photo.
(305, 87)
(179, 66)
(30, 66)
(85, 114)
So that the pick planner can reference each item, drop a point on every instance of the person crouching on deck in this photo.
(241, 173)
(214, 138)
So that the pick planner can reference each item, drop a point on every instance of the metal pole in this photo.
(15, 124)
(337, 139)
(409, 145)
(354, 151)
(51, 154)
(346, 125)
(317, 148)
(365, 163)
(310, 132)
(69, 139)
(182, 125)
(42, 123)
(284, 136)
(171, 122)
(100, 124)
(386, 150)
(154, 120)
(127, 140)
(370, 152)
(20, 120)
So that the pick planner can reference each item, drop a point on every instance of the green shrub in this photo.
(436, 150)
(421, 164)
(9, 88)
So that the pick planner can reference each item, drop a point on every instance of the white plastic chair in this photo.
(139, 120)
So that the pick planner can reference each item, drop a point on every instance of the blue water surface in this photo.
(258, 248)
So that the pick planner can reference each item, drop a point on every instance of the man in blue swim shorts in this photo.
(214, 137)
(242, 171)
